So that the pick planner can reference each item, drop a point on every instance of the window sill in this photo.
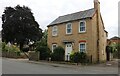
(68, 34)
(82, 32)
(55, 36)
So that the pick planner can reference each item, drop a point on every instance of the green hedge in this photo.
(58, 54)
(44, 52)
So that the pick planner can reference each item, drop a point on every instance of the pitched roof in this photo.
(115, 38)
(74, 16)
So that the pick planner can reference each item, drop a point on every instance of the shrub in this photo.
(11, 48)
(58, 54)
(3, 46)
(75, 57)
(18, 53)
(78, 57)
(44, 52)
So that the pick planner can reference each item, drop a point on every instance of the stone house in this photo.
(115, 40)
(82, 31)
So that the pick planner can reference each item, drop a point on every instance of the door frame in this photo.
(67, 52)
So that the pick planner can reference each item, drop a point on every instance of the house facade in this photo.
(82, 31)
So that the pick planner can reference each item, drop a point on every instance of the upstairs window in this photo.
(69, 28)
(82, 27)
(82, 47)
(54, 31)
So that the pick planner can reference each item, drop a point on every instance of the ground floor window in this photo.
(54, 46)
(82, 47)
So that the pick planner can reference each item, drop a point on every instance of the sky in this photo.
(45, 11)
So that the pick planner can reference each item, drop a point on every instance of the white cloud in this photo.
(45, 11)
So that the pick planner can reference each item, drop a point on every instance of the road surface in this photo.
(13, 66)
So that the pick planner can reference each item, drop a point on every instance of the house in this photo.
(113, 40)
(82, 31)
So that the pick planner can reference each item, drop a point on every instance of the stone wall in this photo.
(11, 54)
(34, 56)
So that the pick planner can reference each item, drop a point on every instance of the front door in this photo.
(68, 50)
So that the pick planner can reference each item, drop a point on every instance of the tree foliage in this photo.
(43, 41)
(19, 26)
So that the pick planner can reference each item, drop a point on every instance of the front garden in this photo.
(58, 55)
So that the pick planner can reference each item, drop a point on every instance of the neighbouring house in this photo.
(114, 40)
(82, 31)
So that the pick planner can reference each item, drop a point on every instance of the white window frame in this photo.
(54, 30)
(84, 48)
(53, 47)
(69, 28)
(85, 27)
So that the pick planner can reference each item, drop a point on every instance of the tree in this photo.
(43, 41)
(19, 26)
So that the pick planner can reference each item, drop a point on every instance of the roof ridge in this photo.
(77, 12)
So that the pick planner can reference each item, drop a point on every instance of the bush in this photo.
(78, 57)
(75, 57)
(58, 54)
(3, 46)
(44, 52)
(12, 48)
(18, 53)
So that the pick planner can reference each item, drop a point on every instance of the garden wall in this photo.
(11, 54)
(34, 56)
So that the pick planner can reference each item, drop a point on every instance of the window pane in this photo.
(82, 26)
(54, 46)
(69, 26)
(54, 31)
(68, 30)
(82, 47)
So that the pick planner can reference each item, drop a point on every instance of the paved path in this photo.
(13, 66)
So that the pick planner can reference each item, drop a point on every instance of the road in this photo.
(13, 66)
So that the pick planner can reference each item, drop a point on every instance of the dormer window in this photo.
(82, 27)
(69, 28)
(54, 30)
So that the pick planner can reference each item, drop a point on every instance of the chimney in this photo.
(97, 5)
(97, 8)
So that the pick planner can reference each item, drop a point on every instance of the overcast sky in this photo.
(45, 11)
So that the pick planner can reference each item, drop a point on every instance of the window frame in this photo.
(80, 26)
(82, 48)
(69, 28)
(53, 45)
(54, 30)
